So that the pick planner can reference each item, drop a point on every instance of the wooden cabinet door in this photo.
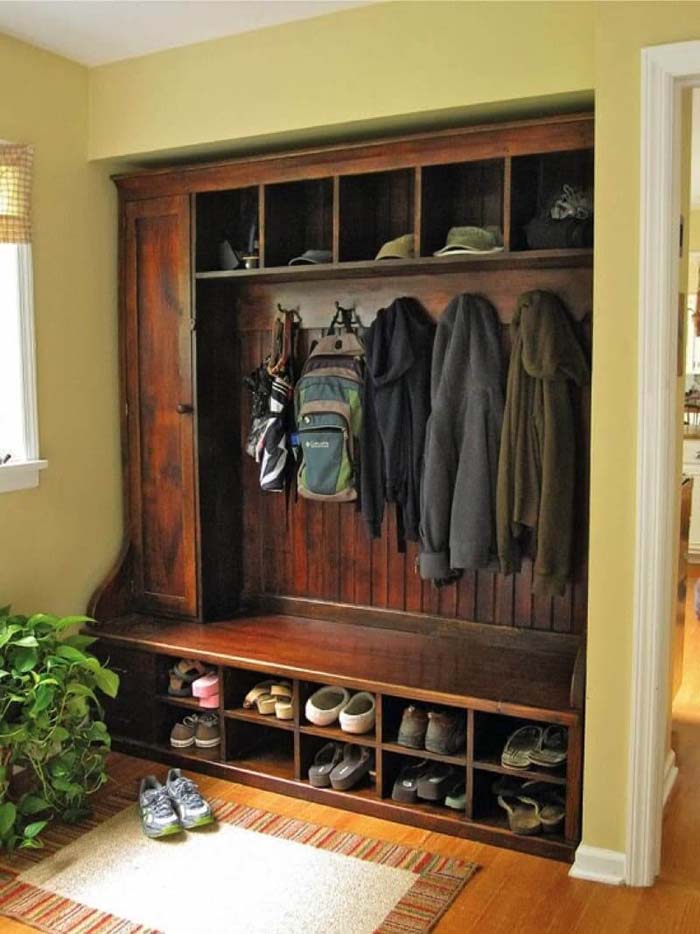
(160, 405)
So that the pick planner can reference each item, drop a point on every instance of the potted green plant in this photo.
(53, 739)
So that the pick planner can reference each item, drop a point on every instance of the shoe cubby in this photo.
(374, 208)
(298, 217)
(491, 732)
(392, 713)
(225, 215)
(538, 179)
(237, 683)
(463, 194)
(257, 748)
(166, 717)
(447, 775)
(163, 668)
(488, 811)
(333, 730)
(309, 746)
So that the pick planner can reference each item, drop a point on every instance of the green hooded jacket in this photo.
(537, 461)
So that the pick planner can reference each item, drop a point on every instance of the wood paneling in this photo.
(323, 551)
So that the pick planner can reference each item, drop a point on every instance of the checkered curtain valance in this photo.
(15, 193)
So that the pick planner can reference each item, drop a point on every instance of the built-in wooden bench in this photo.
(501, 679)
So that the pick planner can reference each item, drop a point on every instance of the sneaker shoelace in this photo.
(158, 800)
(186, 791)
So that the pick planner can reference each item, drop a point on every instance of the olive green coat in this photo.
(537, 461)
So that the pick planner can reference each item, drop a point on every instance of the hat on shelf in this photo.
(403, 247)
(472, 240)
(312, 258)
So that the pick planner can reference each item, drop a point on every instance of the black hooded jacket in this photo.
(399, 347)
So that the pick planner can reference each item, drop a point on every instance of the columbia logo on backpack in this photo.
(328, 407)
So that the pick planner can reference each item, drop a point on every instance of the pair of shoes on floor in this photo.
(430, 781)
(173, 807)
(530, 745)
(201, 730)
(191, 678)
(271, 697)
(532, 807)
(340, 767)
(356, 714)
(441, 731)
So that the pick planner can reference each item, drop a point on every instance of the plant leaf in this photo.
(79, 641)
(70, 653)
(8, 813)
(33, 804)
(5, 610)
(31, 830)
(25, 658)
(107, 681)
(72, 621)
(26, 640)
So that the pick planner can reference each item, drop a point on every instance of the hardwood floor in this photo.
(525, 894)
(513, 892)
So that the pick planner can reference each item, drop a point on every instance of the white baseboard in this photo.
(670, 774)
(597, 865)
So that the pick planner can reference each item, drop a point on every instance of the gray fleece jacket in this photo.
(458, 494)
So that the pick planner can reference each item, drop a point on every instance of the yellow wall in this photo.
(383, 66)
(694, 230)
(56, 541)
(371, 64)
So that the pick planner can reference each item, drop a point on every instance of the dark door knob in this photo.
(183, 408)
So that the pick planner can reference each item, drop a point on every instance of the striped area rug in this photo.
(433, 884)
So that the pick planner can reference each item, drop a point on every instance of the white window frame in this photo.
(24, 475)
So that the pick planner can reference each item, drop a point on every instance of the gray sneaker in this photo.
(158, 816)
(187, 801)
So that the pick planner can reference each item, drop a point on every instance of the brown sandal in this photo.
(523, 814)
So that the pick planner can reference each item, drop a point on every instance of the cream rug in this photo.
(254, 873)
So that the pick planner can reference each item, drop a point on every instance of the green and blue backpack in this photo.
(328, 408)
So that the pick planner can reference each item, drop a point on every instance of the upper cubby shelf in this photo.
(534, 195)
(524, 259)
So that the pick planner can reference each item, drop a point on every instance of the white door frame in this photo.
(666, 69)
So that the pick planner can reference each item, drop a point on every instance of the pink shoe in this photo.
(211, 701)
(206, 686)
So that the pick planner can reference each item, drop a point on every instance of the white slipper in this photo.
(359, 714)
(324, 706)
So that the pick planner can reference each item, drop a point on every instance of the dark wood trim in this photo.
(524, 259)
(554, 134)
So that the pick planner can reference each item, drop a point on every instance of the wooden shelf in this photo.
(516, 259)
(499, 825)
(192, 753)
(190, 703)
(423, 754)
(336, 735)
(272, 762)
(553, 776)
(252, 716)
(367, 791)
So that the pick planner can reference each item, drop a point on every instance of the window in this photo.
(19, 458)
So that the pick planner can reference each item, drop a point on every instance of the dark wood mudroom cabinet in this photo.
(261, 584)
(159, 405)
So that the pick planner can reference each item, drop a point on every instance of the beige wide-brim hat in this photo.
(403, 247)
(472, 240)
